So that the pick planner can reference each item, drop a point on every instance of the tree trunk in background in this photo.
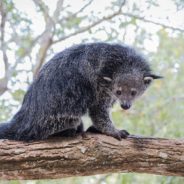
(95, 154)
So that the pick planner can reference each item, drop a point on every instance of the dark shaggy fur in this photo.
(83, 78)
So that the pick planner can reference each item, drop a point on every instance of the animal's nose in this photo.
(125, 106)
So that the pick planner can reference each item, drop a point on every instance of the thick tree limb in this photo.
(95, 154)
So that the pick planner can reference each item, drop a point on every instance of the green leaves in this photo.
(18, 95)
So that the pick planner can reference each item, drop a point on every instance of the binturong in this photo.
(85, 78)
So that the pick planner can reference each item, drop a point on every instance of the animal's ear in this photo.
(107, 79)
(155, 76)
(148, 80)
(149, 77)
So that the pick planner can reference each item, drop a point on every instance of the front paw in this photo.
(124, 134)
(119, 134)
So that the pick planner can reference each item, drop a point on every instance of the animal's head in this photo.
(128, 87)
(129, 73)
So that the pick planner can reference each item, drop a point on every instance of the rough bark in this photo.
(95, 154)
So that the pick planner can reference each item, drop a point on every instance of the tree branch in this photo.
(58, 10)
(4, 80)
(153, 22)
(86, 28)
(95, 154)
(44, 9)
(47, 36)
(76, 13)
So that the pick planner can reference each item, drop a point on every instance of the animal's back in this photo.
(69, 85)
(61, 89)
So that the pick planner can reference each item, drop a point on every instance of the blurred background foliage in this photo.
(31, 32)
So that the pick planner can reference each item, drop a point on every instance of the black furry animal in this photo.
(83, 78)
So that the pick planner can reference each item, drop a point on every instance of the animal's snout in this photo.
(125, 106)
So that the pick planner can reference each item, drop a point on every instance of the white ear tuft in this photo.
(148, 78)
(107, 79)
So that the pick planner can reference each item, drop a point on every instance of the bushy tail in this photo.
(6, 131)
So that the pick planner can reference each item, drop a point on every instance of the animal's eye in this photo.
(118, 92)
(133, 92)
